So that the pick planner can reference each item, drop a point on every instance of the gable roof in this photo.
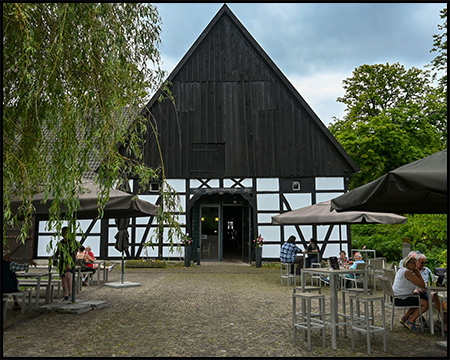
(275, 72)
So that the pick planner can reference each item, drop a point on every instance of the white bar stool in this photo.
(363, 323)
(307, 320)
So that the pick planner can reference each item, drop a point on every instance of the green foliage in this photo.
(69, 71)
(439, 63)
(394, 116)
(427, 234)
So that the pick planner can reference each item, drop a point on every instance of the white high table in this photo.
(334, 278)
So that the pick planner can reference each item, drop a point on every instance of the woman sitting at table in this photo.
(90, 260)
(312, 247)
(406, 280)
(343, 260)
(81, 261)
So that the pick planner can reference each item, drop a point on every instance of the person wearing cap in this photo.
(407, 279)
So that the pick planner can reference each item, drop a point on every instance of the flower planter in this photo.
(258, 256)
(187, 256)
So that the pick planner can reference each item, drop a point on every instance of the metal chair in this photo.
(378, 265)
(307, 319)
(207, 249)
(364, 323)
(286, 273)
(352, 291)
(390, 274)
(389, 300)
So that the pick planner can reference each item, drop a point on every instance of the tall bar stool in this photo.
(315, 277)
(306, 319)
(363, 322)
(351, 291)
(286, 274)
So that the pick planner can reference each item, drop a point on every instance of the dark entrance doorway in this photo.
(232, 232)
(224, 227)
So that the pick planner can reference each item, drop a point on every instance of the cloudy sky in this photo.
(315, 45)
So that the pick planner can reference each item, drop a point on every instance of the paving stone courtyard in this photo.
(210, 310)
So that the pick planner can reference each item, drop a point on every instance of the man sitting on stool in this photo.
(288, 253)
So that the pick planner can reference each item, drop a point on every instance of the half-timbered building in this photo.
(239, 145)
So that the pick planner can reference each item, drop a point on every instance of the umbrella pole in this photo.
(123, 256)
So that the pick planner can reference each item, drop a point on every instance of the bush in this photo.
(141, 263)
(428, 234)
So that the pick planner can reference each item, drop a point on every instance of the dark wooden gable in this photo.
(236, 115)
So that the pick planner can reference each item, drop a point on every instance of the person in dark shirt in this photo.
(312, 247)
(10, 283)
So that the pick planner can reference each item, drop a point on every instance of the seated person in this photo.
(407, 279)
(312, 247)
(288, 253)
(357, 260)
(411, 253)
(426, 273)
(343, 260)
(80, 260)
(90, 260)
(10, 284)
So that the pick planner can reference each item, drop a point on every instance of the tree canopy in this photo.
(439, 63)
(69, 71)
(393, 116)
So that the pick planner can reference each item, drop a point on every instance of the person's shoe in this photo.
(411, 326)
(325, 280)
(111, 267)
(85, 284)
(403, 321)
(16, 307)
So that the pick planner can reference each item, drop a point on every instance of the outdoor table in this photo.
(334, 278)
(38, 276)
(430, 304)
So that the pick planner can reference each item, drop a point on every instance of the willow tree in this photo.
(69, 71)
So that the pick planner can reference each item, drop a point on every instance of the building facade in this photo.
(239, 144)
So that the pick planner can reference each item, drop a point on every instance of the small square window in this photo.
(154, 186)
(296, 185)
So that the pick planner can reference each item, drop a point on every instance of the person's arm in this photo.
(89, 258)
(414, 276)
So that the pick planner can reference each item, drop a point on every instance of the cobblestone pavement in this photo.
(210, 310)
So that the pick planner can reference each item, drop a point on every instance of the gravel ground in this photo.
(211, 310)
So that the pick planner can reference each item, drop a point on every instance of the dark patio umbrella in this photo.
(419, 187)
(122, 235)
(120, 204)
(321, 214)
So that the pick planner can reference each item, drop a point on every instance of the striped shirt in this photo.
(288, 252)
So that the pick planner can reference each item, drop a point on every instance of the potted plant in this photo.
(187, 242)
(259, 241)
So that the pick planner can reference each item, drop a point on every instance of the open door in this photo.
(246, 234)
(209, 232)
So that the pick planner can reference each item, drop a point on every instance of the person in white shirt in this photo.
(407, 279)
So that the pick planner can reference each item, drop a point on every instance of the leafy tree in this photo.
(69, 71)
(439, 63)
(393, 116)
(427, 234)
